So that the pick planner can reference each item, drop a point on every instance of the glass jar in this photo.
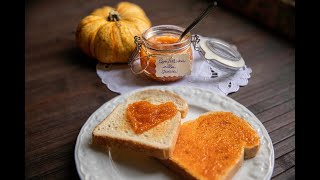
(161, 42)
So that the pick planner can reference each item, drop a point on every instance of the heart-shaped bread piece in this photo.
(213, 146)
(143, 115)
(158, 139)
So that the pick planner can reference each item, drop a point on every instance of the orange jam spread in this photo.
(158, 41)
(164, 39)
(209, 145)
(143, 115)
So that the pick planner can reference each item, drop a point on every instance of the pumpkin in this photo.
(107, 34)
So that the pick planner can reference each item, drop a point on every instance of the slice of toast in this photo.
(159, 141)
(213, 146)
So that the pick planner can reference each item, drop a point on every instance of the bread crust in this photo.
(107, 142)
(250, 152)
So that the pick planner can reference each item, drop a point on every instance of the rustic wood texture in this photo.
(62, 88)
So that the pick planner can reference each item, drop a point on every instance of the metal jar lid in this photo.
(220, 51)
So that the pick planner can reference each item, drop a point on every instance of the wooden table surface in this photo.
(62, 88)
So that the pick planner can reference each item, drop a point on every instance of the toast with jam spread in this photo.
(213, 146)
(135, 124)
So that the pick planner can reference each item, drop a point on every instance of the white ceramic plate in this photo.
(121, 164)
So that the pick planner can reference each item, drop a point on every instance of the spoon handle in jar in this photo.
(198, 19)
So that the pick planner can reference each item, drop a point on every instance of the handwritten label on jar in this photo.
(175, 65)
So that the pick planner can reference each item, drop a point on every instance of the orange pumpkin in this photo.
(107, 34)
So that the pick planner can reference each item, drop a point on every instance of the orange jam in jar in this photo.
(143, 115)
(163, 41)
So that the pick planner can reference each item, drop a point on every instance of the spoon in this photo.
(198, 19)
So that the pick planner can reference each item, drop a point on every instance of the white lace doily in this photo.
(120, 79)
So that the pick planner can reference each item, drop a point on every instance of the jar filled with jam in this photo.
(162, 56)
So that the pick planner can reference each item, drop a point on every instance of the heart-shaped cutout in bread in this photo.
(143, 115)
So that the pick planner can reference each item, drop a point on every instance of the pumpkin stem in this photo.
(113, 16)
